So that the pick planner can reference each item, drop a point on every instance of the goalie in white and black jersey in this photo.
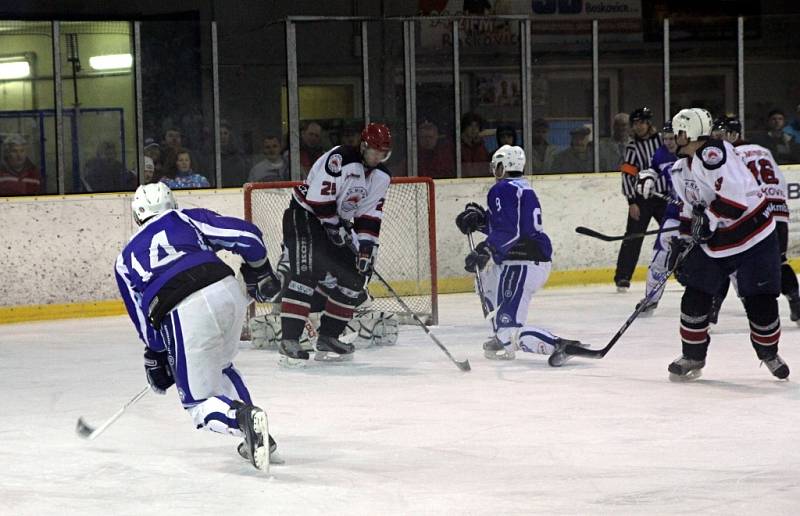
(346, 185)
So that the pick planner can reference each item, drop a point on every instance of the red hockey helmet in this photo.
(377, 136)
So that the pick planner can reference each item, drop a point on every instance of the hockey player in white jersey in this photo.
(513, 261)
(346, 185)
(188, 310)
(730, 221)
(768, 174)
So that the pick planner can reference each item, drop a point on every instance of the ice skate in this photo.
(331, 349)
(274, 456)
(794, 309)
(684, 369)
(292, 354)
(493, 349)
(777, 367)
(649, 309)
(253, 424)
(559, 356)
(623, 286)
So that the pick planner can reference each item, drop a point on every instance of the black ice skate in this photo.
(777, 367)
(253, 424)
(274, 456)
(623, 286)
(559, 356)
(684, 369)
(291, 353)
(794, 309)
(331, 349)
(493, 349)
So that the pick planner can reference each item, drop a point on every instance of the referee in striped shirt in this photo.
(638, 153)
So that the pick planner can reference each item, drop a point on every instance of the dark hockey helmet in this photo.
(728, 124)
(667, 127)
(377, 136)
(642, 113)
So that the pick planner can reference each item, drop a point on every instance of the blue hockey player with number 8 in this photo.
(514, 260)
(189, 309)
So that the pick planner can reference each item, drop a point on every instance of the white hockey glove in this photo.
(646, 183)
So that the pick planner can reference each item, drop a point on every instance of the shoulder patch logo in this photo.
(335, 163)
(718, 184)
(712, 156)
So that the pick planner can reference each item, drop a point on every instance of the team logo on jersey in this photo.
(505, 319)
(691, 191)
(712, 156)
(352, 197)
(335, 163)
(718, 184)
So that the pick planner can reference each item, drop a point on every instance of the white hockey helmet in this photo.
(150, 200)
(695, 122)
(511, 157)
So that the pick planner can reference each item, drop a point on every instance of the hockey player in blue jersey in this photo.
(189, 308)
(513, 261)
(660, 166)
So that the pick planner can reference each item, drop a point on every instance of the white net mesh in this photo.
(406, 257)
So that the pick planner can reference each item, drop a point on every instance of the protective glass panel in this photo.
(562, 97)
(27, 131)
(97, 84)
(178, 104)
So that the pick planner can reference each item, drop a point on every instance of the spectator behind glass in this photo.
(173, 138)
(234, 163)
(178, 171)
(149, 170)
(435, 154)
(310, 144)
(474, 156)
(793, 129)
(579, 156)
(612, 150)
(18, 175)
(783, 146)
(273, 167)
(105, 173)
(152, 150)
(543, 152)
(351, 135)
(505, 135)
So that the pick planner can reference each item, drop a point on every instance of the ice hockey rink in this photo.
(400, 430)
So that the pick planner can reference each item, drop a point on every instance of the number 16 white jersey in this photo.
(767, 173)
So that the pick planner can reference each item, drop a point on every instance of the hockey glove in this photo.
(473, 218)
(159, 374)
(646, 183)
(365, 259)
(335, 234)
(262, 283)
(477, 259)
(701, 225)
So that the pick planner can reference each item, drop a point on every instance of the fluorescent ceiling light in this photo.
(111, 62)
(14, 70)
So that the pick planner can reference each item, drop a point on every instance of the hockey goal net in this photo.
(407, 253)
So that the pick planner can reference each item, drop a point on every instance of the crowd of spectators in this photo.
(189, 163)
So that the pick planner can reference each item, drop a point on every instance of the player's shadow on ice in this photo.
(351, 369)
(772, 387)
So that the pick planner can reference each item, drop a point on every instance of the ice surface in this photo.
(401, 431)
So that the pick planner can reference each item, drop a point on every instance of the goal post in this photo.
(407, 250)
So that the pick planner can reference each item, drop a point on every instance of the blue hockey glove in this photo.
(473, 218)
(335, 234)
(365, 259)
(262, 283)
(477, 259)
(701, 226)
(159, 374)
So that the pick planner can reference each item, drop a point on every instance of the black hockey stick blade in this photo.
(581, 230)
(83, 429)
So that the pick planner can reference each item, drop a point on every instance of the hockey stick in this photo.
(481, 292)
(87, 432)
(463, 365)
(600, 353)
(581, 230)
